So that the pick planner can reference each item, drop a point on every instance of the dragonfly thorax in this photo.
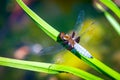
(67, 40)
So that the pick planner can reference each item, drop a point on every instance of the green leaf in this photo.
(46, 67)
(113, 22)
(96, 64)
(49, 30)
(110, 18)
(111, 5)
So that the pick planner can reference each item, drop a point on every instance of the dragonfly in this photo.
(69, 41)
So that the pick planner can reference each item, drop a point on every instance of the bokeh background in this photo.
(20, 37)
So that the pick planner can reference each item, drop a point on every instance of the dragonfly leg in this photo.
(73, 34)
(77, 39)
(65, 42)
(70, 48)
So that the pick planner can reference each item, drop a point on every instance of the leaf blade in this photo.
(49, 30)
(45, 67)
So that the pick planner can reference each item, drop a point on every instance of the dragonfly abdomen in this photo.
(82, 50)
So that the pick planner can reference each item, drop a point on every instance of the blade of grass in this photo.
(112, 21)
(49, 30)
(112, 6)
(46, 67)
(99, 66)
(110, 18)
(27, 65)
(91, 61)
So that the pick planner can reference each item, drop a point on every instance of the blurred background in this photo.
(20, 38)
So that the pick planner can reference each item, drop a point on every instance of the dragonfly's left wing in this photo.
(51, 50)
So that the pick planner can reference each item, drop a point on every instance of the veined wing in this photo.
(80, 25)
(50, 50)
(79, 21)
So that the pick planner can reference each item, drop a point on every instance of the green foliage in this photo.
(45, 67)
(112, 6)
(109, 17)
(49, 30)
(113, 22)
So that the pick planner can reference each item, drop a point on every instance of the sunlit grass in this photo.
(113, 7)
(45, 67)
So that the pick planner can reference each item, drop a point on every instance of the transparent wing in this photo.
(48, 51)
(79, 21)
(80, 25)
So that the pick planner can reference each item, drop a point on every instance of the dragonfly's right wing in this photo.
(79, 26)
(79, 21)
